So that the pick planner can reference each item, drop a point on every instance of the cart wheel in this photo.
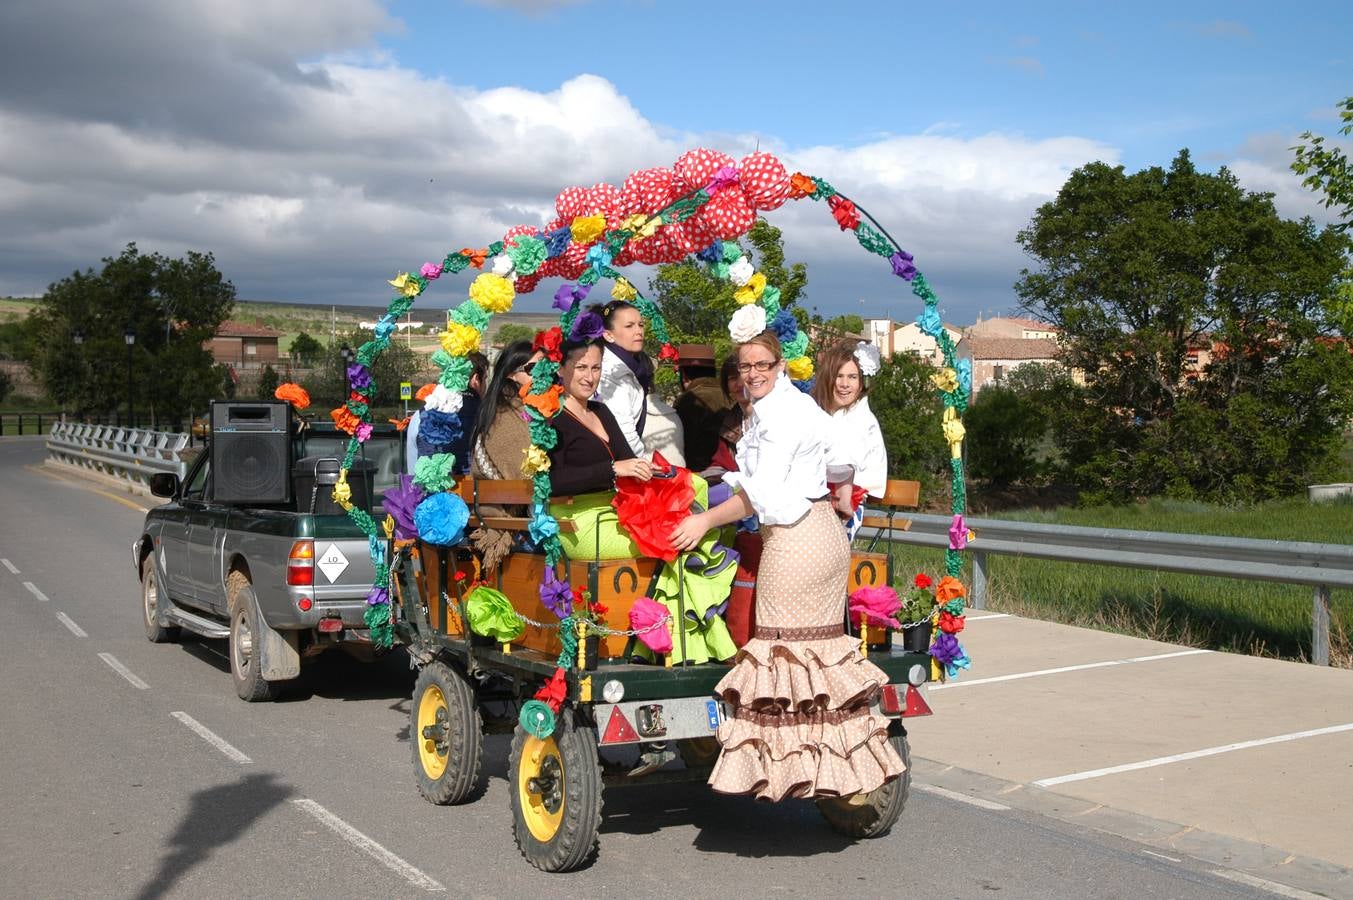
(556, 795)
(447, 738)
(699, 753)
(881, 808)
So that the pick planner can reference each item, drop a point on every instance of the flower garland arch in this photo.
(699, 207)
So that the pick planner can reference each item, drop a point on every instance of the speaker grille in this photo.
(251, 464)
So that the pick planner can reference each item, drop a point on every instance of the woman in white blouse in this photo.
(799, 691)
(626, 386)
(842, 392)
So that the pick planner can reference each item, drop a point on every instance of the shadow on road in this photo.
(215, 817)
(208, 650)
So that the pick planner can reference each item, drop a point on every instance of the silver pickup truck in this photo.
(279, 581)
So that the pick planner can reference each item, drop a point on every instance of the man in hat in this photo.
(701, 404)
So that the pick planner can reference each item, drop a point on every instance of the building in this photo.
(244, 347)
(995, 357)
(1012, 327)
(894, 337)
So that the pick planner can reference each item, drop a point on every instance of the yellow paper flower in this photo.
(537, 460)
(343, 491)
(389, 526)
(586, 229)
(407, 286)
(945, 379)
(954, 432)
(752, 290)
(493, 293)
(458, 339)
(800, 368)
(643, 226)
(623, 290)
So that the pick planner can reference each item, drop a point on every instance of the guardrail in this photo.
(1322, 566)
(128, 454)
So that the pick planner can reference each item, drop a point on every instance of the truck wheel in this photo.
(244, 668)
(150, 605)
(699, 753)
(880, 809)
(556, 795)
(447, 735)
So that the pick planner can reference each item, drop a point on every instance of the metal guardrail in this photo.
(129, 454)
(1322, 566)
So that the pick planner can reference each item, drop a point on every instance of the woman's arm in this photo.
(693, 528)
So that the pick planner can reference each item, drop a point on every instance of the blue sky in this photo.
(318, 148)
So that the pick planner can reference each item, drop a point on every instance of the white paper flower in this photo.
(741, 271)
(443, 399)
(869, 358)
(747, 323)
(501, 265)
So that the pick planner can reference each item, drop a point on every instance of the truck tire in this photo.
(151, 605)
(245, 670)
(556, 795)
(446, 731)
(880, 809)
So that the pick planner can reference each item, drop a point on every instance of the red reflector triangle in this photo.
(916, 705)
(618, 729)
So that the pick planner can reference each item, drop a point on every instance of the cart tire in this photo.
(699, 753)
(243, 649)
(151, 605)
(447, 736)
(882, 807)
(556, 795)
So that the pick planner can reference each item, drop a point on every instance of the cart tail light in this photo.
(916, 705)
(301, 563)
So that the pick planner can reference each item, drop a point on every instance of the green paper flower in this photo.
(797, 347)
(455, 263)
(871, 240)
(433, 473)
(589, 276)
(471, 314)
(527, 256)
(491, 614)
(495, 248)
(770, 301)
(543, 434)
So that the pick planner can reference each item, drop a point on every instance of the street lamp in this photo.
(129, 335)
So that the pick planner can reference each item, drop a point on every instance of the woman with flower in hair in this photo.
(842, 391)
(626, 386)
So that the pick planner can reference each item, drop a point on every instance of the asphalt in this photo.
(104, 792)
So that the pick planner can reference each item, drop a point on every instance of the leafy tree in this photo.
(172, 305)
(1138, 270)
(328, 384)
(908, 409)
(1004, 430)
(1328, 170)
(511, 331)
(6, 385)
(267, 383)
(306, 350)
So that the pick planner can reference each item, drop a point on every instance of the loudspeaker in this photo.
(251, 452)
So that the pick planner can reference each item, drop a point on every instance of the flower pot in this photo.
(916, 637)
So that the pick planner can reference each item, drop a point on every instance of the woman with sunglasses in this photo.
(500, 430)
(799, 693)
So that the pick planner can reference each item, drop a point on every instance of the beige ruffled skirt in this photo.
(798, 695)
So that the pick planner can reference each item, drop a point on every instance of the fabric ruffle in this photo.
(826, 674)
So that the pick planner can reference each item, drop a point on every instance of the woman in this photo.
(626, 386)
(799, 692)
(841, 391)
(500, 431)
(730, 429)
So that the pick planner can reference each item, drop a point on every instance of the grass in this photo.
(1260, 618)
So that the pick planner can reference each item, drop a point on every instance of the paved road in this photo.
(131, 770)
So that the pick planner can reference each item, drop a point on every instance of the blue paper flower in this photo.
(785, 326)
(598, 257)
(711, 254)
(542, 527)
(964, 369)
(556, 242)
(441, 519)
(930, 322)
(438, 431)
(806, 386)
(384, 328)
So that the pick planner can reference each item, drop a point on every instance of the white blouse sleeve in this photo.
(620, 391)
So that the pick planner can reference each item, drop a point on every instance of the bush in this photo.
(6, 385)
(1004, 431)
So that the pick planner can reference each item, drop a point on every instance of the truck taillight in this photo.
(301, 563)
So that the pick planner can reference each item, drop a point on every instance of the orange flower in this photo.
(293, 394)
(424, 391)
(476, 257)
(949, 588)
(800, 186)
(345, 420)
(547, 404)
(400, 424)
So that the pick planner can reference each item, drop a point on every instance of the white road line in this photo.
(9, 565)
(955, 795)
(987, 616)
(1161, 855)
(125, 672)
(409, 873)
(1194, 754)
(1264, 884)
(1080, 668)
(70, 623)
(33, 589)
(212, 738)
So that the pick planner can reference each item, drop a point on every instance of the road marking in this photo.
(1161, 855)
(33, 589)
(1080, 668)
(1194, 754)
(955, 795)
(988, 616)
(409, 873)
(9, 565)
(212, 738)
(125, 672)
(86, 484)
(70, 623)
(1264, 884)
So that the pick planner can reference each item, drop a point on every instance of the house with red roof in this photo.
(243, 346)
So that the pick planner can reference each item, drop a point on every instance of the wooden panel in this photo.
(867, 570)
(619, 583)
(457, 560)
(883, 522)
(902, 493)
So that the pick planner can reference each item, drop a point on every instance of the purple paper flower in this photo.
(556, 594)
(945, 648)
(377, 596)
(570, 294)
(431, 271)
(400, 503)
(727, 176)
(359, 376)
(587, 327)
(902, 266)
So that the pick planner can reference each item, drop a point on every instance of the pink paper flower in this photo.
(431, 271)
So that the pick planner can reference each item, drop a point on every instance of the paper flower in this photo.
(537, 460)
(363, 432)
(800, 368)
(431, 271)
(472, 314)
(384, 329)
(800, 186)
(444, 400)
(958, 533)
(929, 322)
(586, 229)
(711, 254)
(868, 358)
(945, 648)
(441, 518)
(751, 291)
(475, 257)
(643, 226)
(528, 254)
(345, 420)
(359, 377)
(784, 325)
(542, 527)
(546, 403)
(458, 339)
(945, 379)
(598, 257)
(949, 588)
(726, 176)
(425, 391)
(954, 431)
(795, 346)
(587, 327)
(400, 502)
(950, 623)
(746, 323)
(493, 292)
(741, 271)
(965, 375)
(878, 606)
(844, 212)
(623, 290)
(550, 342)
(902, 266)
(438, 431)
(293, 394)
(556, 242)
(652, 620)
(490, 613)
(433, 473)
(406, 284)
(570, 294)
(556, 595)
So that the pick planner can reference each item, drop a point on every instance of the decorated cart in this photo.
(549, 647)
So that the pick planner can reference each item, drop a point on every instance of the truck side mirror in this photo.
(164, 484)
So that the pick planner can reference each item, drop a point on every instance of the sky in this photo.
(319, 148)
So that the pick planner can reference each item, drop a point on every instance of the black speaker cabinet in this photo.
(251, 452)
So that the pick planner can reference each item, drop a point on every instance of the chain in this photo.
(598, 628)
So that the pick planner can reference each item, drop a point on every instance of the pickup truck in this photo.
(278, 582)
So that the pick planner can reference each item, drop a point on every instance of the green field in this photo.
(1222, 614)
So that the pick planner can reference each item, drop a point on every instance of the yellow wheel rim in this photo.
(433, 716)
(540, 787)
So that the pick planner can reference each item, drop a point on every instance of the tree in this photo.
(267, 383)
(173, 306)
(6, 385)
(1140, 271)
(328, 385)
(1328, 170)
(509, 332)
(306, 350)
(908, 409)
(1004, 429)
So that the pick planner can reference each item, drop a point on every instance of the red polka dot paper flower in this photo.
(696, 167)
(765, 182)
(649, 191)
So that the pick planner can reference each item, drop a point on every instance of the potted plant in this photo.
(917, 613)
(593, 616)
